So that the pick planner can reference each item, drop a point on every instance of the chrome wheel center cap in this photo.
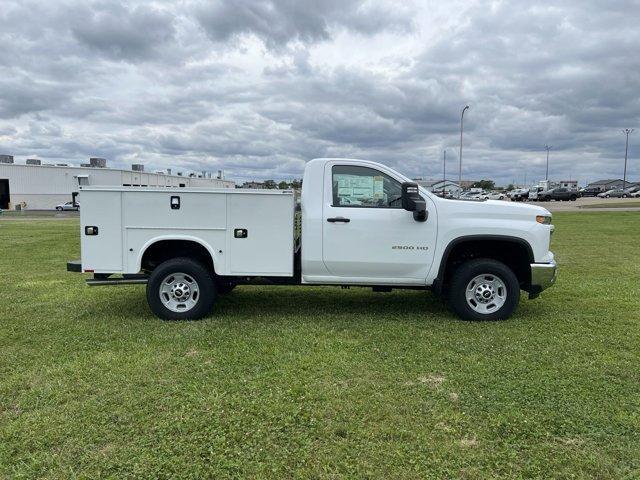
(484, 293)
(180, 291)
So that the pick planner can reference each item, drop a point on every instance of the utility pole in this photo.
(626, 131)
(460, 172)
(444, 171)
(547, 148)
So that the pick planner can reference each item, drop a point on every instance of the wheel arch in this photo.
(486, 245)
(165, 247)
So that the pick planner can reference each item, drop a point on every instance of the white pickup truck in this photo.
(362, 224)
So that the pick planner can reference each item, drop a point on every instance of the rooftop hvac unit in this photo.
(97, 162)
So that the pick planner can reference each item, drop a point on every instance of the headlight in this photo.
(543, 219)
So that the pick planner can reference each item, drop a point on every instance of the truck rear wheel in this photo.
(181, 289)
(484, 289)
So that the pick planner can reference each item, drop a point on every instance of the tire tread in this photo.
(205, 281)
(465, 272)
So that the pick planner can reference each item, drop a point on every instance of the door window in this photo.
(355, 186)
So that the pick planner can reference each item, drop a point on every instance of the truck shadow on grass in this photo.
(266, 303)
(318, 301)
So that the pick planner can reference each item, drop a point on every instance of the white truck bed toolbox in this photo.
(247, 232)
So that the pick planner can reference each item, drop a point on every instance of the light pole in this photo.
(626, 131)
(444, 172)
(460, 171)
(547, 148)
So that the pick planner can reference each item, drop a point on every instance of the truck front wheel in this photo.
(484, 289)
(181, 289)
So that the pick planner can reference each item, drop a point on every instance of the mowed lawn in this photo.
(320, 382)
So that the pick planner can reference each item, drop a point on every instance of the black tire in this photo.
(59, 209)
(464, 275)
(607, 196)
(573, 198)
(624, 196)
(206, 295)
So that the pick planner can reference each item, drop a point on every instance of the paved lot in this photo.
(579, 204)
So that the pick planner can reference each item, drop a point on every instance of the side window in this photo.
(364, 187)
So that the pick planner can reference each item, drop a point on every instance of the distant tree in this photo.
(283, 185)
(510, 187)
(484, 184)
(270, 184)
(296, 183)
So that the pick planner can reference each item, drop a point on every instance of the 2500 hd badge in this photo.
(408, 247)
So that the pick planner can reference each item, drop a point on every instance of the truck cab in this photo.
(362, 224)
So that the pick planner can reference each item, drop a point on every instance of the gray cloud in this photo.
(279, 22)
(124, 33)
(21, 95)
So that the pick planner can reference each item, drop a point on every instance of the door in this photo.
(367, 235)
(4, 193)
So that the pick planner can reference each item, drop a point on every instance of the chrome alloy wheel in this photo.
(486, 293)
(179, 292)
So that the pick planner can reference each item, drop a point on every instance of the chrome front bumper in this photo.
(543, 275)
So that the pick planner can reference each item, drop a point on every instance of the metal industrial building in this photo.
(42, 187)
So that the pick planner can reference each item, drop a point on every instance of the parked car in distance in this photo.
(495, 196)
(519, 194)
(534, 192)
(472, 195)
(619, 193)
(445, 194)
(68, 206)
(558, 194)
(609, 193)
(589, 191)
(635, 194)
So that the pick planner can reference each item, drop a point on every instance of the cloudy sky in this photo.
(259, 87)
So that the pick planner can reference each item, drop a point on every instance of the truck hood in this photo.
(492, 208)
(516, 208)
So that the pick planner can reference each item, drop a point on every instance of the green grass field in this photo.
(629, 204)
(321, 382)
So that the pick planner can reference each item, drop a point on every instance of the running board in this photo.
(128, 280)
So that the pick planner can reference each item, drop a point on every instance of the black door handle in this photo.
(338, 219)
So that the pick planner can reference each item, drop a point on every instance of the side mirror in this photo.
(413, 202)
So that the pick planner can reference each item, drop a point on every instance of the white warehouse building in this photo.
(42, 187)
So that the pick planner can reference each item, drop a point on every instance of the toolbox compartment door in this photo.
(260, 234)
(101, 252)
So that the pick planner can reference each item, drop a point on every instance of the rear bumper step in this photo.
(74, 266)
(101, 280)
